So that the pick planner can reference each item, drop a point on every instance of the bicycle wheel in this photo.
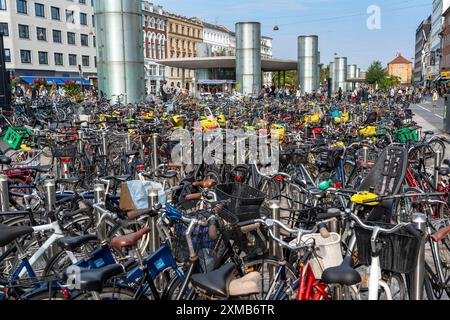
(267, 268)
(112, 293)
(397, 286)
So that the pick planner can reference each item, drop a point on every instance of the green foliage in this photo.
(389, 82)
(375, 74)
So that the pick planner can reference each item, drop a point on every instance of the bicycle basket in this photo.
(398, 250)
(328, 252)
(245, 200)
(203, 245)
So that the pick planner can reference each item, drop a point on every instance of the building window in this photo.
(59, 59)
(72, 59)
(94, 40)
(85, 61)
(83, 19)
(70, 16)
(2, 4)
(57, 36)
(4, 30)
(55, 13)
(7, 55)
(95, 61)
(22, 6)
(70, 38)
(93, 21)
(41, 34)
(84, 40)
(39, 10)
(24, 31)
(43, 57)
(25, 56)
(82, 1)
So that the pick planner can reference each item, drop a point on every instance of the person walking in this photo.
(435, 97)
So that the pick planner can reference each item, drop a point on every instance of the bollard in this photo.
(128, 142)
(99, 193)
(274, 205)
(437, 164)
(4, 193)
(152, 202)
(155, 151)
(104, 143)
(417, 276)
(50, 195)
(80, 134)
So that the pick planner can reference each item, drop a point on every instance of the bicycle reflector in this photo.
(140, 167)
(65, 160)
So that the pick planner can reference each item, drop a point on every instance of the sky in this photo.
(342, 25)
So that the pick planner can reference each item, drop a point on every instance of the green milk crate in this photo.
(15, 136)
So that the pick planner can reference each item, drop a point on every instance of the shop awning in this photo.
(215, 82)
(57, 80)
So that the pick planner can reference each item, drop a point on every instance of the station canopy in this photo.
(267, 65)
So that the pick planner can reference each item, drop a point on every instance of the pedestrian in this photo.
(435, 97)
(340, 94)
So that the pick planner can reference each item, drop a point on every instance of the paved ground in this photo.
(431, 118)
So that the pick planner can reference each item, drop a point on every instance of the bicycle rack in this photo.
(152, 202)
(50, 195)
(437, 164)
(417, 277)
(275, 206)
(4, 193)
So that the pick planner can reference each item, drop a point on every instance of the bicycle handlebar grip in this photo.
(331, 213)
(250, 228)
(194, 196)
(324, 231)
(413, 230)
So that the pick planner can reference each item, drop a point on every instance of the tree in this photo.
(375, 74)
(291, 78)
(324, 75)
(389, 82)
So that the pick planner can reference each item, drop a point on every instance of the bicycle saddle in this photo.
(72, 243)
(131, 153)
(73, 180)
(215, 283)
(443, 171)
(92, 280)
(128, 240)
(118, 178)
(343, 274)
(41, 169)
(168, 174)
(9, 234)
(5, 160)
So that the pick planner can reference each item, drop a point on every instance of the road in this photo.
(431, 118)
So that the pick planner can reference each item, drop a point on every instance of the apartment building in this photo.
(49, 38)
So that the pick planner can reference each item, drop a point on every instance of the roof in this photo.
(399, 59)
(267, 65)
(215, 26)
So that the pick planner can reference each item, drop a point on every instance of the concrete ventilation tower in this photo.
(120, 53)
